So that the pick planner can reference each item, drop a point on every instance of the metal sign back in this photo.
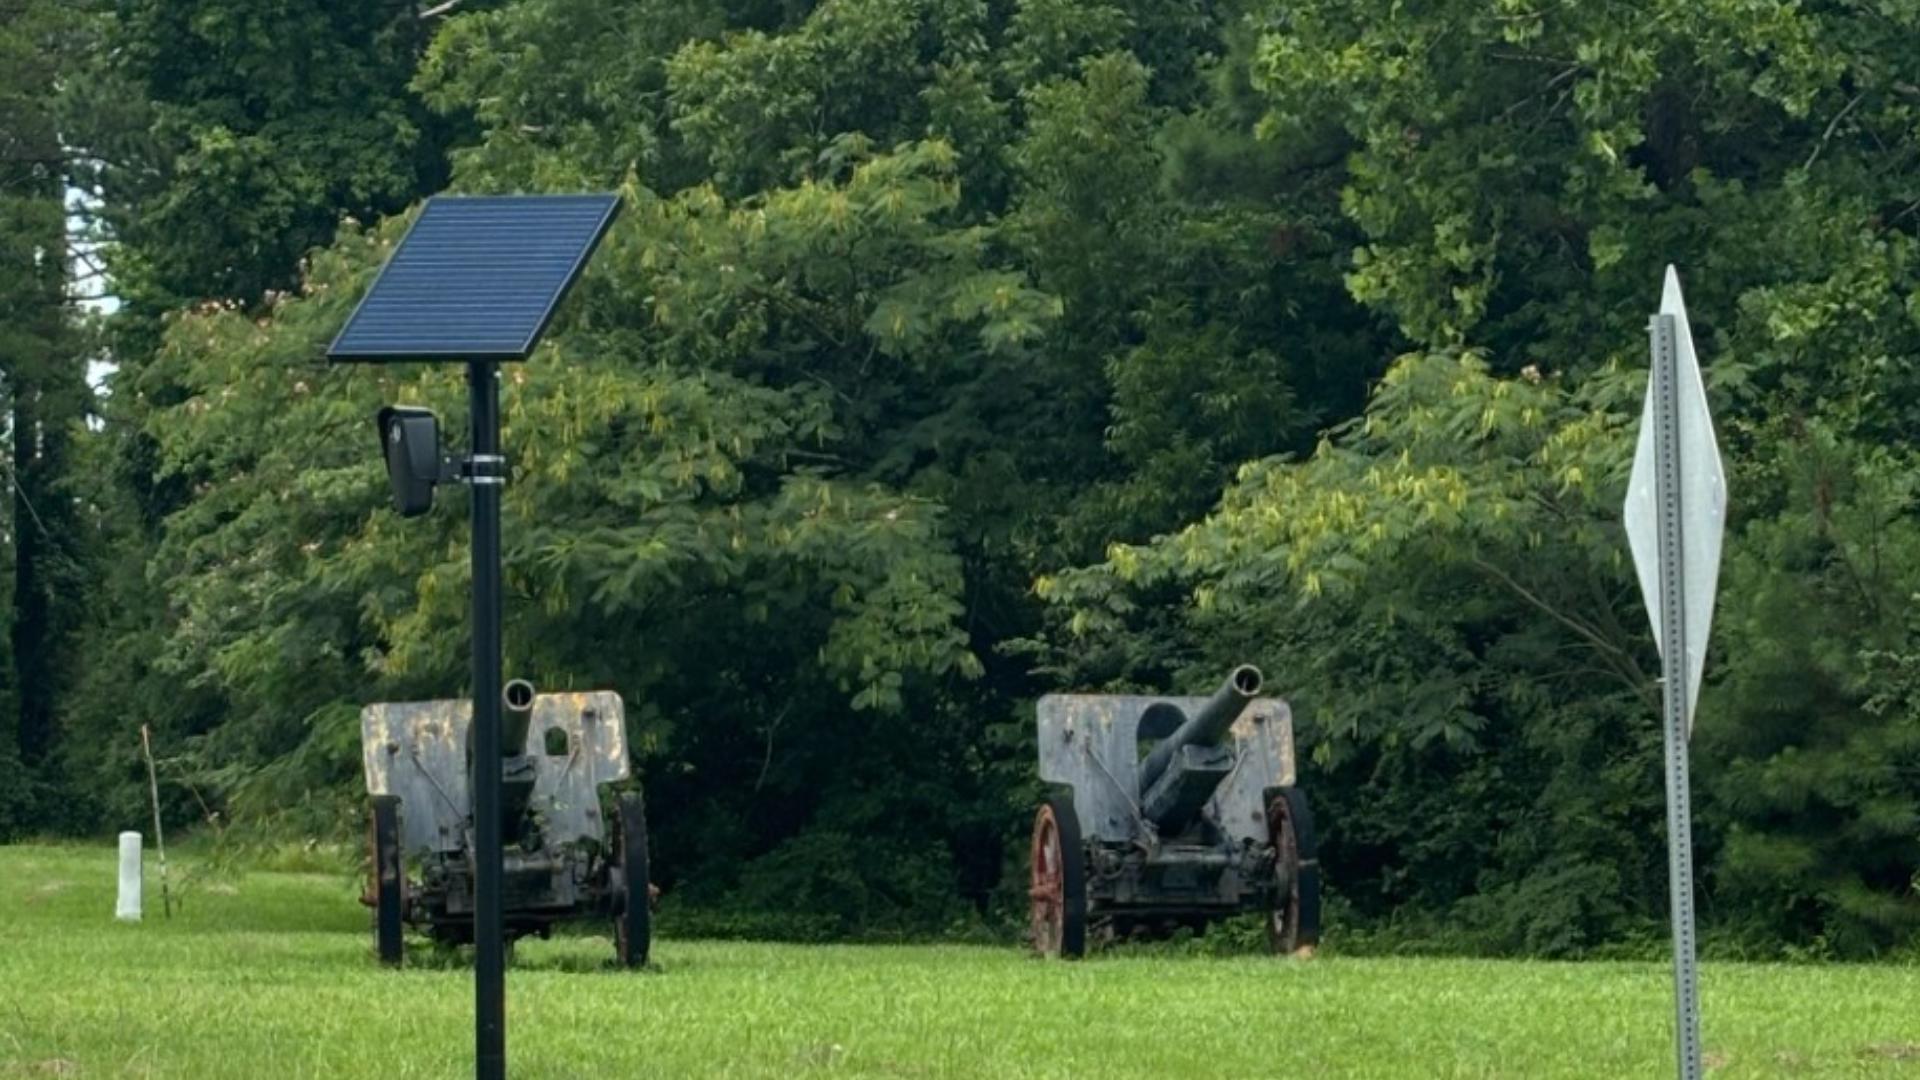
(1702, 500)
(1676, 514)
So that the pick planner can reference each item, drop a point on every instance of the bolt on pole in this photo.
(1674, 697)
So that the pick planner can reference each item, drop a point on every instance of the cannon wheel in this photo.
(1293, 924)
(632, 913)
(1059, 883)
(389, 879)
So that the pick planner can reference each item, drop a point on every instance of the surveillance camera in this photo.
(410, 440)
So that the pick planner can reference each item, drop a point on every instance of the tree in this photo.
(44, 397)
(269, 122)
(1814, 758)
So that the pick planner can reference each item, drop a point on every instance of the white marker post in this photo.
(127, 908)
(1676, 513)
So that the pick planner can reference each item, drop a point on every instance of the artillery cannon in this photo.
(563, 859)
(1207, 822)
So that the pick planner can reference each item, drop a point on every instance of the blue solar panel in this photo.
(476, 278)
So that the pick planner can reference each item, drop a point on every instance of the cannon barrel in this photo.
(518, 772)
(517, 695)
(1208, 727)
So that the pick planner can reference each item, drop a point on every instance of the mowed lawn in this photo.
(271, 975)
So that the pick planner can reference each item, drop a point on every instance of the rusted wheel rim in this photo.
(1283, 920)
(1048, 888)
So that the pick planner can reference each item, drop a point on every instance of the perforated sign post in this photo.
(1676, 513)
(476, 281)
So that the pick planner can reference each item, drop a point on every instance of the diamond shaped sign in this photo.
(1701, 509)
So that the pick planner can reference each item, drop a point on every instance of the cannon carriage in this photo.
(1170, 811)
(567, 854)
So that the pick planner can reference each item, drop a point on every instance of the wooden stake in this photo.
(159, 839)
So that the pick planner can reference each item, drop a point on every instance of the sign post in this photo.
(1675, 516)
(476, 280)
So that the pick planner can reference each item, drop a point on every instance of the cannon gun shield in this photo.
(1091, 743)
(417, 750)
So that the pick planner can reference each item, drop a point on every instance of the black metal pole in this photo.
(487, 474)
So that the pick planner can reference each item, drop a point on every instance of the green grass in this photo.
(271, 975)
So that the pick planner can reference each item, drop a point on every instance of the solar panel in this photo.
(476, 278)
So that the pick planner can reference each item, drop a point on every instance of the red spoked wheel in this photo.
(1293, 922)
(1058, 887)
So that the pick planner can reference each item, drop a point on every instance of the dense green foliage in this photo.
(271, 972)
(950, 353)
(244, 131)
